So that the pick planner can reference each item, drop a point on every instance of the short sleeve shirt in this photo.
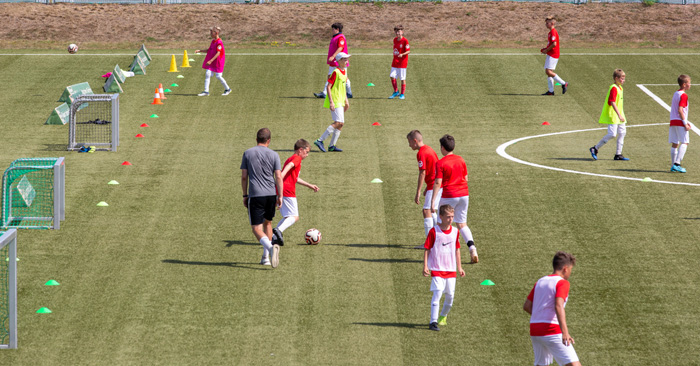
(338, 41)
(543, 321)
(261, 163)
(217, 45)
(400, 46)
(290, 180)
(452, 170)
(680, 99)
(427, 158)
(552, 37)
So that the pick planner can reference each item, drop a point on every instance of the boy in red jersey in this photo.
(214, 62)
(451, 176)
(338, 44)
(552, 52)
(398, 66)
(289, 208)
(545, 304)
(427, 158)
(678, 130)
(442, 261)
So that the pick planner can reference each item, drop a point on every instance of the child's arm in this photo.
(527, 306)
(622, 119)
(286, 169)
(330, 99)
(347, 104)
(459, 264)
(426, 271)
(421, 179)
(548, 48)
(561, 316)
(309, 185)
(436, 188)
(214, 58)
(684, 118)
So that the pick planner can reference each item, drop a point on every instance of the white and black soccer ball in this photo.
(313, 236)
(72, 48)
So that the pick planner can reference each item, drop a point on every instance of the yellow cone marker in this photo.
(185, 60)
(173, 65)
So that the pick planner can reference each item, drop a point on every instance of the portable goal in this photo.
(94, 121)
(8, 289)
(33, 194)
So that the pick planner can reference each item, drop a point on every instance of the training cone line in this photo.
(173, 65)
(370, 84)
(112, 182)
(51, 283)
(154, 116)
(376, 124)
(174, 85)
(488, 283)
(180, 77)
(103, 204)
(168, 91)
(377, 180)
(545, 123)
(156, 98)
(44, 311)
(160, 91)
(126, 163)
(647, 179)
(138, 135)
(185, 60)
(144, 125)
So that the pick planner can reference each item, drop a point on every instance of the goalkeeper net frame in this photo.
(34, 194)
(8, 289)
(94, 121)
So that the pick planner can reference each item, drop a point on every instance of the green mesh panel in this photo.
(28, 196)
(4, 294)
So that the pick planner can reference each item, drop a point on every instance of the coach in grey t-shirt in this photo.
(261, 172)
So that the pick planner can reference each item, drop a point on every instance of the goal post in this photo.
(8, 289)
(94, 121)
(34, 194)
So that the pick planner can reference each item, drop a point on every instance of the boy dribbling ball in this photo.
(678, 135)
(442, 261)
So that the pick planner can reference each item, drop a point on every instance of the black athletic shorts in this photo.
(260, 208)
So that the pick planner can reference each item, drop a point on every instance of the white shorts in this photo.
(429, 197)
(550, 62)
(330, 69)
(401, 73)
(461, 206)
(446, 285)
(289, 207)
(338, 115)
(548, 347)
(678, 135)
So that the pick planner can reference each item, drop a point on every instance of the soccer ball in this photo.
(72, 48)
(313, 236)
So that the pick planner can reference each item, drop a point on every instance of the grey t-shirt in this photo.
(261, 163)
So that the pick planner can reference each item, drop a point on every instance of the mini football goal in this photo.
(33, 194)
(94, 121)
(8, 289)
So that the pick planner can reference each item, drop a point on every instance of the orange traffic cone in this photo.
(156, 99)
(160, 91)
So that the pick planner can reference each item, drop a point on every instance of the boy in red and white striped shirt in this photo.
(545, 304)
(442, 261)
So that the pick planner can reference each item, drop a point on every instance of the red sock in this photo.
(393, 83)
(403, 88)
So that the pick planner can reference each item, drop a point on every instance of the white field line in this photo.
(362, 54)
(501, 150)
(666, 106)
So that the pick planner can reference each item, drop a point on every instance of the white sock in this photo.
(207, 79)
(447, 304)
(266, 253)
(285, 223)
(681, 152)
(550, 84)
(266, 243)
(466, 233)
(435, 306)
(336, 135)
(559, 80)
(674, 154)
(327, 133)
(324, 88)
(221, 79)
(427, 225)
(348, 89)
(435, 219)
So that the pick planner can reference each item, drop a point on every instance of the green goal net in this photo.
(8, 289)
(33, 194)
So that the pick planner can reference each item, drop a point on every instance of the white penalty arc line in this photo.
(663, 104)
(501, 150)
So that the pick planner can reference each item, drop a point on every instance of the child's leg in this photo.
(681, 153)
(207, 79)
(559, 80)
(393, 84)
(674, 154)
(449, 296)
(403, 86)
(336, 133)
(435, 306)
(286, 222)
(621, 132)
(327, 133)
(550, 84)
(612, 132)
(221, 79)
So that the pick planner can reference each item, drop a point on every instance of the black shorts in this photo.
(260, 208)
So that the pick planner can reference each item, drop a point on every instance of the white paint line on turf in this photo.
(501, 150)
(663, 104)
(365, 54)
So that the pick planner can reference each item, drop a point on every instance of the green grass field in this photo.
(168, 274)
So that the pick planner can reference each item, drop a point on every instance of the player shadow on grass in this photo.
(230, 243)
(397, 325)
(290, 150)
(518, 94)
(572, 159)
(639, 170)
(184, 95)
(387, 260)
(254, 266)
(391, 246)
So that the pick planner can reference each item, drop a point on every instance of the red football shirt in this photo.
(453, 171)
(400, 46)
(290, 180)
(331, 78)
(427, 158)
(552, 37)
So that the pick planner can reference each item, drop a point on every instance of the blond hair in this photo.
(216, 29)
(682, 79)
(551, 19)
(618, 73)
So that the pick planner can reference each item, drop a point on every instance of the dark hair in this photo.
(398, 27)
(338, 26)
(447, 142)
(563, 259)
(415, 135)
(301, 144)
(445, 209)
(264, 135)
(682, 79)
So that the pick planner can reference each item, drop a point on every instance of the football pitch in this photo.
(168, 274)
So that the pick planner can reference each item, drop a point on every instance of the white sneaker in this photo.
(203, 94)
(275, 256)
(227, 92)
(265, 261)
(472, 252)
